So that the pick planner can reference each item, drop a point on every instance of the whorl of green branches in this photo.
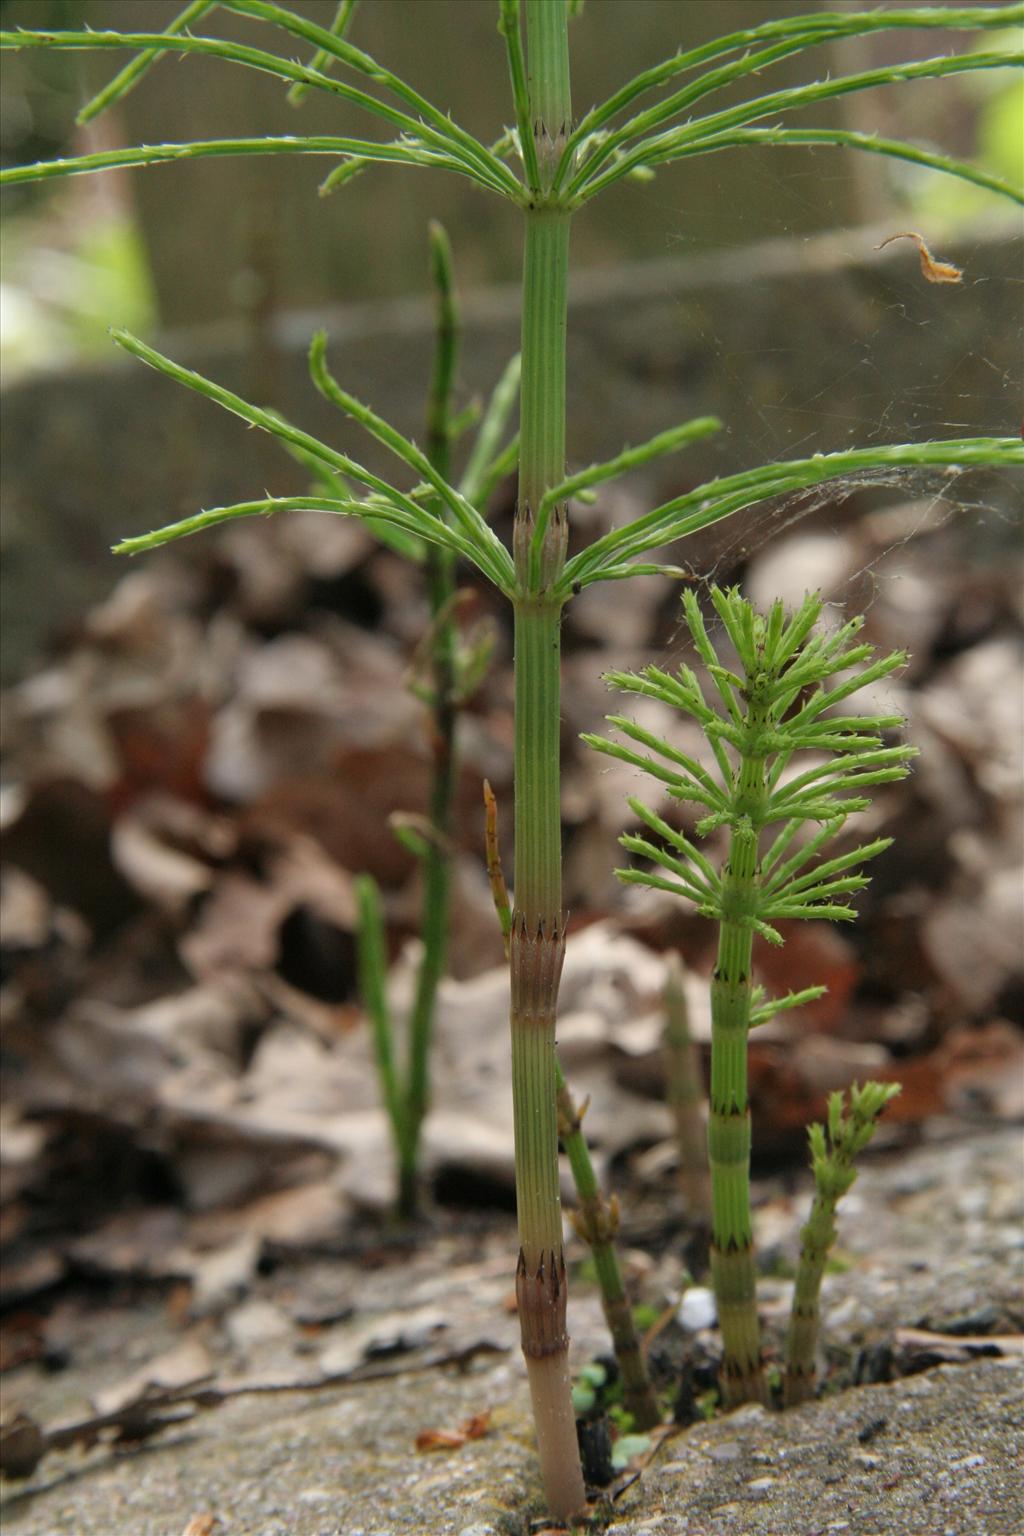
(596, 154)
(578, 163)
(778, 704)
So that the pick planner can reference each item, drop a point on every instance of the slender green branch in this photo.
(508, 26)
(843, 139)
(717, 499)
(652, 150)
(322, 59)
(761, 1012)
(370, 512)
(128, 78)
(812, 29)
(440, 122)
(398, 153)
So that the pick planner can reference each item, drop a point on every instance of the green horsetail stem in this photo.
(537, 935)
(832, 1154)
(597, 1219)
(437, 856)
(686, 1097)
(776, 701)
(597, 1222)
(732, 1236)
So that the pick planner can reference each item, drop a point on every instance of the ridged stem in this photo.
(542, 399)
(597, 1221)
(548, 76)
(816, 1240)
(732, 1238)
(537, 939)
(686, 1097)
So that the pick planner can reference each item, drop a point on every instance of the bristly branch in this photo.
(838, 138)
(694, 134)
(322, 59)
(718, 499)
(128, 78)
(429, 138)
(509, 27)
(353, 151)
(803, 31)
(472, 539)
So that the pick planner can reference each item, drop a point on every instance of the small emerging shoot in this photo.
(597, 1222)
(833, 1149)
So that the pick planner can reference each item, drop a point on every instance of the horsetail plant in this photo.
(775, 706)
(549, 167)
(596, 1221)
(453, 671)
(833, 1149)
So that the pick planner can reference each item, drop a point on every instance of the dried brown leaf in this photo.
(201, 1525)
(935, 271)
(473, 1428)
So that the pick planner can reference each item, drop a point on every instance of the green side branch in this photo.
(436, 862)
(448, 678)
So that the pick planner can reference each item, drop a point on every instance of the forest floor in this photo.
(438, 1442)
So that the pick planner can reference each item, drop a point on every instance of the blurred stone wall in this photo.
(251, 235)
(800, 346)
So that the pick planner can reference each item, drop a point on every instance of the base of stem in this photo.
(557, 1446)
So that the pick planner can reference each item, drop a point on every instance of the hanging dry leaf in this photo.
(934, 271)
